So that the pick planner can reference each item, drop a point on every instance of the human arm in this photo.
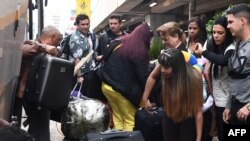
(149, 85)
(79, 50)
(199, 124)
(244, 112)
(207, 78)
(78, 72)
(213, 57)
(226, 113)
(32, 48)
(208, 104)
(4, 122)
(217, 59)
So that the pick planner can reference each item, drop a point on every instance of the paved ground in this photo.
(55, 130)
(57, 135)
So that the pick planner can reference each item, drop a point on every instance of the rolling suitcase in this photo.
(113, 135)
(49, 82)
(149, 124)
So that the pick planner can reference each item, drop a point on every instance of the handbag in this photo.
(237, 64)
(84, 115)
(94, 89)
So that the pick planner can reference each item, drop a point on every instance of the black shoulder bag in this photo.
(94, 89)
(237, 65)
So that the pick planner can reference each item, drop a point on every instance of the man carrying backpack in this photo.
(105, 39)
(81, 42)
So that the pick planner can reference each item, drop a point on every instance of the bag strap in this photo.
(106, 56)
(79, 92)
(82, 62)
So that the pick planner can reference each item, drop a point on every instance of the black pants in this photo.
(38, 122)
(182, 131)
(235, 107)
(207, 118)
(219, 122)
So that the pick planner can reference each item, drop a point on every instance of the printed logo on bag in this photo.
(62, 69)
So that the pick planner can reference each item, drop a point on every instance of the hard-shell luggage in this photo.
(115, 136)
(14, 133)
(150, 124)
(49, 82)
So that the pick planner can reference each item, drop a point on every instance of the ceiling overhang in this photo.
(122, 9)
(167, 5)
(134, 10)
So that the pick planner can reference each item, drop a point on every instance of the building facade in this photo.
(134, 12)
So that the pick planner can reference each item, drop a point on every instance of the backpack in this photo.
(65, 48)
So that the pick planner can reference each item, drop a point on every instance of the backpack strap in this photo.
(65, 48)
(93, 39)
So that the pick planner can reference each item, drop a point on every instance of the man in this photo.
(114, 32)
(38, 119)
(238, 105)
(81, 43)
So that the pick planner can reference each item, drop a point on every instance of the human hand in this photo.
(99, 58)
(226, 115)
(80, 80)
(243, 113)
(198, 49)
(52, 50)
(145, 103)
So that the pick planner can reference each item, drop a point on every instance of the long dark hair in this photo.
(219, 49)
(202, 37)
(136, 45)
(182, 91)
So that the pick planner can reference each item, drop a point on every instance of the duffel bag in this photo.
(84, 115)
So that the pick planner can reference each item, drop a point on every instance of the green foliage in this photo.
(210, 22)
(156, 47)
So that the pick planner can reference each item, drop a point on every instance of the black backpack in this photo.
(65, 49)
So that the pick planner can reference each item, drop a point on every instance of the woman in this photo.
(182, 96)
(125, 74)
(217, 50)
(171, 34)
(196, 34)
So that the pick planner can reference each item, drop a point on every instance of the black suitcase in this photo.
(149, 124)
(49, 82)
(115, 136)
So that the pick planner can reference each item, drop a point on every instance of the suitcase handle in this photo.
(115, 134)
(113, 131)
(79, 91)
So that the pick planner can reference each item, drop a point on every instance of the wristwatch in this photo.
(248, 106)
